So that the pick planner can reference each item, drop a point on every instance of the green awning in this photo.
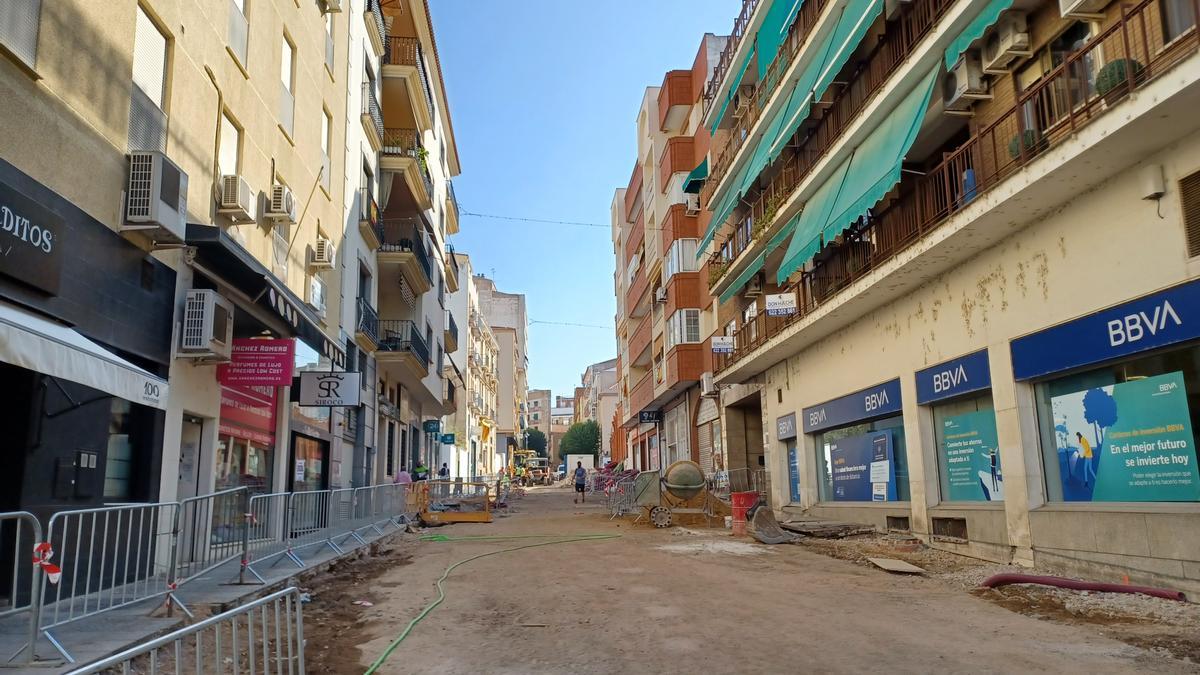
(742, 278)
(696, 177)
(733, 87)
(721, 212)
(975, 30)
(776, 23)
(856, 19)
(870, 172)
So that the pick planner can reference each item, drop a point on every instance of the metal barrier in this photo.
(20, 589)
(266, 635)
(209, 532)
(111, 557)
(622, 498)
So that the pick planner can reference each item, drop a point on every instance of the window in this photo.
(848, 439)
(676, 436)
(19, 24)
(681, 257)
(1054, 104)
(1123, 432)
(326, 144)
(230, 147)
(748, 322)
(1189, 198)
(683, 327)
(281, 237)
(239, 31)
(118, 461)
(286, 66)
(1178, 16)
(147, 119)
(968, 452)
(287, 79)
(329, 42)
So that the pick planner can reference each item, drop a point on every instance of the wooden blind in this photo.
(1189, 198)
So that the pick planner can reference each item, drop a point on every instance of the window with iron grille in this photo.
(1189, 199)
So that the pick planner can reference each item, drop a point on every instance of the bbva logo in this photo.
(1134, 327)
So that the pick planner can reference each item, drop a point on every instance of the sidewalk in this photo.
(95, 637)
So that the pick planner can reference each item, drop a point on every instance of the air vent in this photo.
(1189, 199)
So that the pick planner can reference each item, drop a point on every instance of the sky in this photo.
(543, 97)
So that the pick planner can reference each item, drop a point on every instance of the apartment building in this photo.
(656, 225)
(173, 191)
(417, 213)
(596, 400)
(506, 316)
(538, 401)
(953, 247)
(562, 416)
(471, 450)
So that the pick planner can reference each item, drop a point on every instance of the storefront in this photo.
(958, 396)
(708, 436)
(861, 455)
(1117, 397)
(246, 445)
(785, 433)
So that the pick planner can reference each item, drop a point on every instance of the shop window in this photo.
(242, 462)
(1178, 16)
(845, 461)
(968, 452)
(118, 461)
(19, 23)
(1123, 432)
(1189, 198)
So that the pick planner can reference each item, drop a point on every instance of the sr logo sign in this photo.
(330, 389)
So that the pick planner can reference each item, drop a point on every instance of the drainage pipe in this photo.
(1059, 582)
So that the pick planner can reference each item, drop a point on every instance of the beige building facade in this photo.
(505, 314)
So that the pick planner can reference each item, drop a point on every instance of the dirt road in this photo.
(673, 601)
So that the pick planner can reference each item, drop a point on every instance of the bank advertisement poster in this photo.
(971, 456)
(1128, 442)
(862, 468)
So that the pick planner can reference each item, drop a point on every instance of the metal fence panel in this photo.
(209, 532)
(20, 582)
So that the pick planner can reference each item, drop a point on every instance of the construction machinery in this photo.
(681, 489)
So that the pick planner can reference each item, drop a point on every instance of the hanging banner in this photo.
(722, 344)
(260, 363)
(862, 468)
(781, 304)
(1127, 442)
(971, 455)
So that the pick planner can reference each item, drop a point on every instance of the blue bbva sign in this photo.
(785, 427)
(882, 399)
(955, 377)
(1165, 318)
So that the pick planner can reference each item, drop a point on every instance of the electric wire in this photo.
(550, 221)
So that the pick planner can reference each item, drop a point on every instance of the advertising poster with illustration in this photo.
(862, 468)
(1128, 442)
(971, 456)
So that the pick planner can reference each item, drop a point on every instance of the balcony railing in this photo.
(407, 51)
(368, 320)
(368, 208)
(374, 17)
(1064, 100)
(370, 107)
(407, 143)
(878, 67)
(402, 336)
(452, 327)
(731, 46)
(405, 235)
(453, 199)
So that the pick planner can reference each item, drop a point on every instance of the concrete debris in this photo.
(766, 529)
(827, 529)
(896, 566)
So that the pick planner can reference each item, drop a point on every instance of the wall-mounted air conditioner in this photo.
(156, 199)
(282, 206)
(964, 84)
(207, 331)
(754, 287)
(707, 387)
(236, 199)
(691, 204)
(660, 294)
(323, 254)
(330, 6)
(1006, 42)
(1082, 9)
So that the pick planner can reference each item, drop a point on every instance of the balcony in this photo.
(451, 209)
(635, 237)
(451, 270)
(731, 46)
(366, 332)
(637, 288)
(678, 157)
(400, 342)
(639, 343)
(751, 226)
(451, 333)
(684, 364)
(677, 224)
(685, 291)
(404, 67)
(372, 116)
(376, 33)
(674, 100)
(402, 153)
(402, 243)
(633, 193)
(368, 218)
(639, 399)
(449, 398)
(1052, 116)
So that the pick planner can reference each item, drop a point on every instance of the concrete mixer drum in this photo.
(684, 479)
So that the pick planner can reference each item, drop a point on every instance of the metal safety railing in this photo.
(265, 635)
(622, 498)
(21, 585)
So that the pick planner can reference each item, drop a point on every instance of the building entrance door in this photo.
(189, 457)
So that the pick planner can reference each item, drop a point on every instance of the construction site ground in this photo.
(693, 599)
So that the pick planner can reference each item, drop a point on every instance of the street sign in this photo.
(447, 439)
(336, 390)
(432, 426)
(650, 416)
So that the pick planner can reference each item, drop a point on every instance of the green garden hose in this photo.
(378, 663)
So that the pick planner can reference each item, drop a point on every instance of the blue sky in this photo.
(544, 95)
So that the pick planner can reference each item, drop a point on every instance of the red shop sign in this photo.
(258, 362)
(249, 413)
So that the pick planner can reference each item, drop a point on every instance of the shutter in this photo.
(149, 58)
(19, 21)
(1189, 199)
(704, 440)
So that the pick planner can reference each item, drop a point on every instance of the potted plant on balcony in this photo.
(1112, 82)
(716, 270)
(423, 158)
(768, 216)
(1030, 140)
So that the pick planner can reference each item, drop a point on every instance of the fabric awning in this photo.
(35, 343)
(696, 177)
(870, 172)
(721, 212)
(733, 87)
(744, 277)
(776, 23)
(975, 30)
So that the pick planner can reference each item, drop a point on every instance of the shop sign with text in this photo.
(31, 246)
(781, 304)
(722, 344)
(335, 390)
(260, 363)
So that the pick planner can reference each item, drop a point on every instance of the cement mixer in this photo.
(679, 489)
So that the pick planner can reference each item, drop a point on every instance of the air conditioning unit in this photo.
(282, 207)
(1082, 9)
(892, 8)
(691, 204)
(207, 331)
(330, 6)
(964, 84)
(156, 199)
(745, 94)
(236, 199)
(1006, 42)
(754, 287)
(707, 387)
(660, 294)
(316, 294)
(323, 254)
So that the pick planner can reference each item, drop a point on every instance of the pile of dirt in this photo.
(858, 549)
